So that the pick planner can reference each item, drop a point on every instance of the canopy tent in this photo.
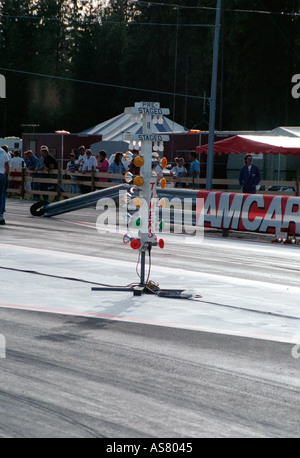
(255, 144)
(115, 128)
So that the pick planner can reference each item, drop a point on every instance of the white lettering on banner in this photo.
(255, 213)
(210, 209)
(291, 216)
(252, 225)
(224, 214)
(273, 217)
(230, 216)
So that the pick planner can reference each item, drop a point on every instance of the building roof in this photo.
(115, 128)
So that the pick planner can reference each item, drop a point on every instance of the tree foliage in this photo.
(147, 50)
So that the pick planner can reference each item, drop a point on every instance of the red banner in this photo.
(251, 212)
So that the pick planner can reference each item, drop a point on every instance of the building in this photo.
(60, 143)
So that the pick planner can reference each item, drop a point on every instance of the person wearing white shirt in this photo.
(81, 157)
(4, 171)
(89, 163)
(17, 162)
(178, 171)
(16, 165)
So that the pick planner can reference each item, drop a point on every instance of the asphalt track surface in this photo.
(72, 376)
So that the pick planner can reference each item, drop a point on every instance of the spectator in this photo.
(16, 164)
(50, 163)
(194, 167)
(117, 167)
(72, 166)
(4, 171)
(81, 157)
(32, 161)
(89, 163)
(179, 171)
(5, 147)
(132, 167)
(36, 185)
(31, 164)
(249, 176)
(156, 167)
(103, 166)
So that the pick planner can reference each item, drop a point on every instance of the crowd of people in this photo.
(11, 165)
(86, 162)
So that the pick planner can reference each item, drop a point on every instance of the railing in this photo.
(60, 184)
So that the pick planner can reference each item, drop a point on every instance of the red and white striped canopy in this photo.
(255, 144)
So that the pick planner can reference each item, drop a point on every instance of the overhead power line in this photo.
(96, 83)
(211, 8)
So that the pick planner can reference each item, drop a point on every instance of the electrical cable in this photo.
(98, 84)
(34, 272)
(106, 22)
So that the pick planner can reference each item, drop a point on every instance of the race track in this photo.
(83, 364)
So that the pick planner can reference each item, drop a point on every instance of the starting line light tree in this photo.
(146, 181)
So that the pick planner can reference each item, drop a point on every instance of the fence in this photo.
(59, 183)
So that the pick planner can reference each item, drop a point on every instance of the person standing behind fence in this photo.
(117, 167)
(5, 147)
(72, 166)
(194, 167)
(16, 165)
(103, 166)
(81, 156)
(89, 163)
(249, 176)
(4, 171)
(179, 171)
(17, 162)
(31, 165)
(50, 163)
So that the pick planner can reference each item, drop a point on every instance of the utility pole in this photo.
(212, 112)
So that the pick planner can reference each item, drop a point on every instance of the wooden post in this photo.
(93, 179)
(23, 182)
(58, 181)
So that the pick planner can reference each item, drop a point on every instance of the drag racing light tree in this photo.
(144, 185)
(146, 181)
